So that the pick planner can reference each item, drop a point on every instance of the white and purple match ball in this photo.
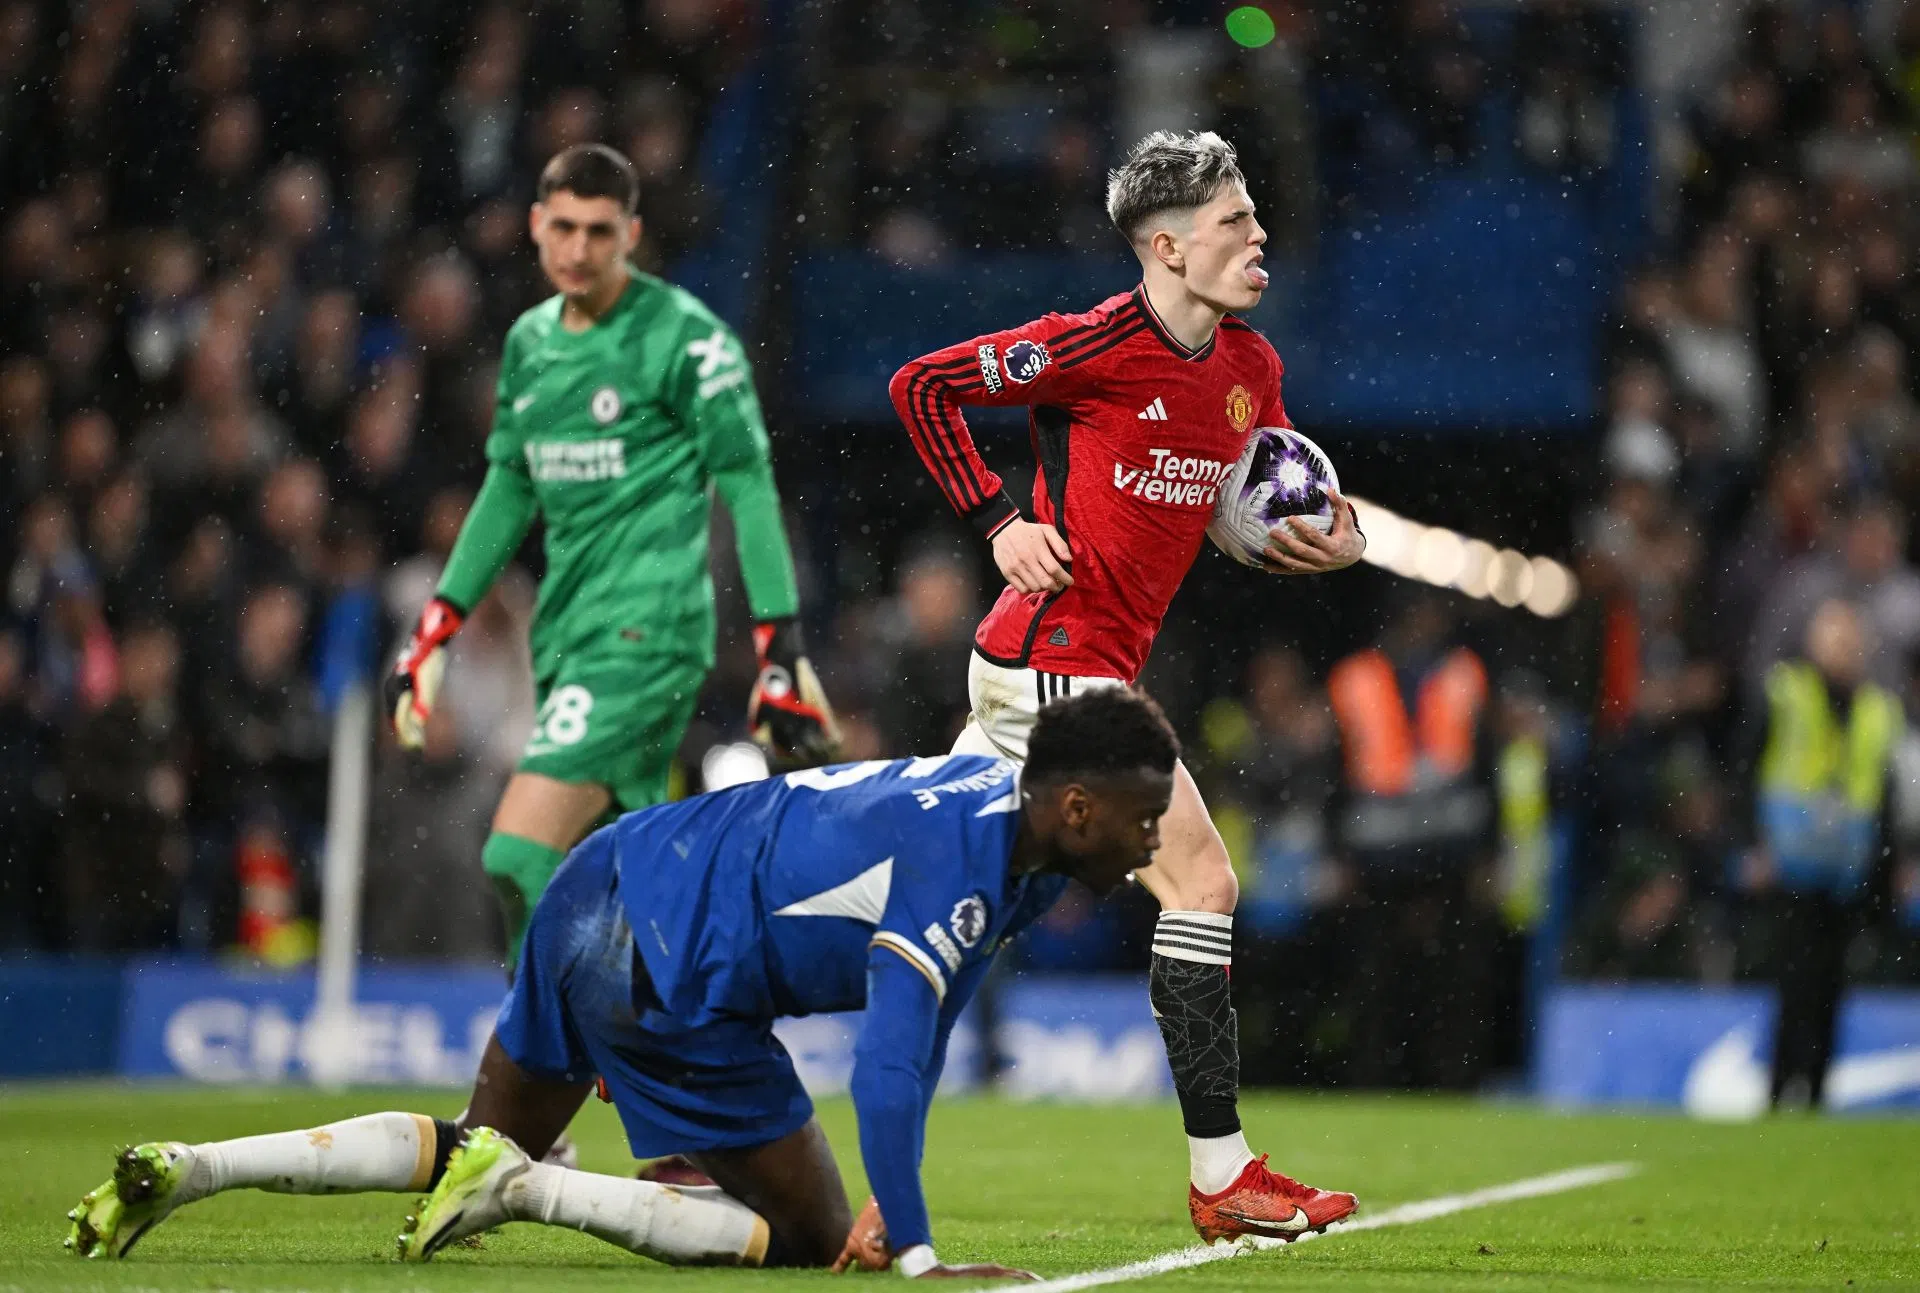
(1280, 473)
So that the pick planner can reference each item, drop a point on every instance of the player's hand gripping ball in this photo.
(1280, 474)
(788, 712)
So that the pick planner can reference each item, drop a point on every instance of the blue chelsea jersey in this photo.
(764, 900)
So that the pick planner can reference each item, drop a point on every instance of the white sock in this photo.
(381, 1151)
(1215, 1162)
(684, 1227)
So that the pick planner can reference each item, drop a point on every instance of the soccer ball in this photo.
(1280, 473)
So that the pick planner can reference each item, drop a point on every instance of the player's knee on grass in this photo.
(519, 869)
(794, 1184)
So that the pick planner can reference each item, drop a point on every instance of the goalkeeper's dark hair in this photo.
(1168, 171)
(1112, 732)
(591, 171)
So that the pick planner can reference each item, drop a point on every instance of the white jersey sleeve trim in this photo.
(918, 959)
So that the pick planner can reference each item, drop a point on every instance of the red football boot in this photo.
(1263, 1202)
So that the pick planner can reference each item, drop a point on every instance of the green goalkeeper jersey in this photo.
(618, 434)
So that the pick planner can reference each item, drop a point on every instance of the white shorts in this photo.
(1006, 704)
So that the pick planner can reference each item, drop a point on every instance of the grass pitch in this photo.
(1793, 1202)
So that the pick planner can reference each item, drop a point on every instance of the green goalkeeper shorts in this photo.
(614, 722)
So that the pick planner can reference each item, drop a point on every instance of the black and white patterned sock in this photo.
(1192, 999)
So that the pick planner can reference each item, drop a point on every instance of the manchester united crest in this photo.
(1239, 408)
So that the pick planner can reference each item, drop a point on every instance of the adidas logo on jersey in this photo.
(1059, 638)
(1154, 412)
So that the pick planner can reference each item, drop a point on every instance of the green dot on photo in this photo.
(1250, 25)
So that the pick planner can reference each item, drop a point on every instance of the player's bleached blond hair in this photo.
(1168, 171)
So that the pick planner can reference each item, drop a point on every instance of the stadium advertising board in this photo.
(213, 1025)
(1066, 1038)
(1059, 1038)
(1707, 1049)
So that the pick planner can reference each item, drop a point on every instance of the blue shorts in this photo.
(581, 1005)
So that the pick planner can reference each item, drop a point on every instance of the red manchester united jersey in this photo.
(1134, 434)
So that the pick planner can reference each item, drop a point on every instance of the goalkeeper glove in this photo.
(409, 690)
(788, 712)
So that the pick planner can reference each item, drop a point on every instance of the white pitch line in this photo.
(1574, 1178)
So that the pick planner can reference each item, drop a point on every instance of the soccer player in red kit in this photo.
(1138, 409)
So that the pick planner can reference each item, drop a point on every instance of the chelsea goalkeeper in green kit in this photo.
(623, 405)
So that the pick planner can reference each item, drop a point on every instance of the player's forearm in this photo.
(959, 992)
(891, 1134)
(501, 514)
(890, 1061)
(766, 560)
(928, 403)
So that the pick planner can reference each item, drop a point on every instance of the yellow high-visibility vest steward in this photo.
(1822, 783)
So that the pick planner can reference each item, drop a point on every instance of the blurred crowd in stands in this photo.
(256, 262)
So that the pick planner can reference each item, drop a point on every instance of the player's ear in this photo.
(633, 233)
(1076, 807)
(1166, 250)
(535, 214)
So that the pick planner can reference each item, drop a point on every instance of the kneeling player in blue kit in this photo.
(658, 960)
